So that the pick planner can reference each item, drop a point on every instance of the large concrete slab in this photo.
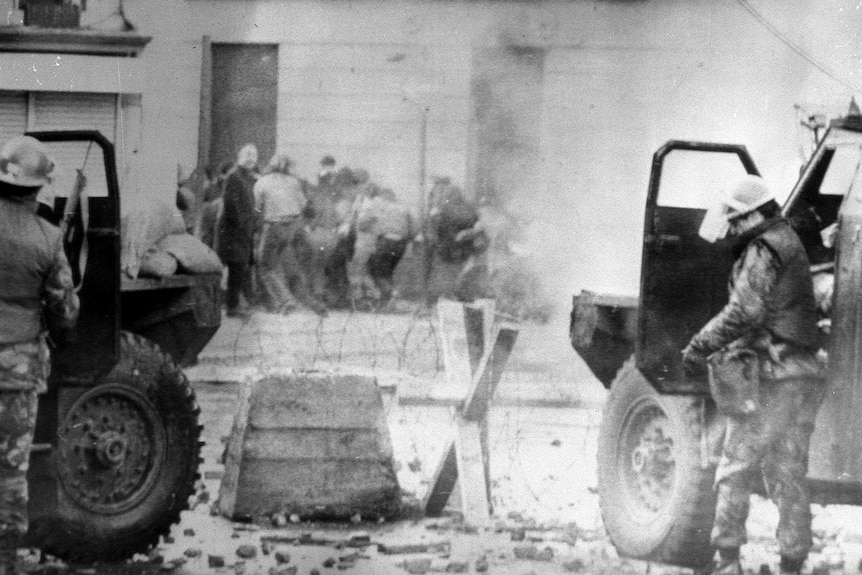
(314, 444)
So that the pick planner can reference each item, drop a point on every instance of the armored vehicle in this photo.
(660, 434)
(116, 447)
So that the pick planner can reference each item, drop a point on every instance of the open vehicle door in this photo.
(86, 164)
(683, 277)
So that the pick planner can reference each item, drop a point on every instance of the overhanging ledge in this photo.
(71, 41)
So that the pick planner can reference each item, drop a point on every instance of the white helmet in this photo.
(750, 193)
(747, 195)
(24, 162)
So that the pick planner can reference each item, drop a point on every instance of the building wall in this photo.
(619, 78)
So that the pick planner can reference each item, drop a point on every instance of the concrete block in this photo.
(310, 444)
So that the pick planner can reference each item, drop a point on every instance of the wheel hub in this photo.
(649, 472)
(110, 448)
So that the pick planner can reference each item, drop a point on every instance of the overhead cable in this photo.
(801, 52)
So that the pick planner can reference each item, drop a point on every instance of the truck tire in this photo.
(656, 497)
(127, 458)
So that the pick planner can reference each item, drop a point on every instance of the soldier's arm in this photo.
(60, 300)
(747, 306)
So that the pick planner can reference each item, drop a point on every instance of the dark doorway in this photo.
(244, 99)
(506, 121)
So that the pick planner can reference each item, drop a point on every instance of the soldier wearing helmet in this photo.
(36, 291)
(770, 318)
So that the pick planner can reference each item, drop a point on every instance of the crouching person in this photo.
(771, 320)
(36, 290)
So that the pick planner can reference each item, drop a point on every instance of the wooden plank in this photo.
(442, 483)
(234, 453)
(479, 321)
(489, 374)
(452, 334)
(471, 471)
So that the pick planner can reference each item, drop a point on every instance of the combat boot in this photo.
(9, 554)
(790, 566)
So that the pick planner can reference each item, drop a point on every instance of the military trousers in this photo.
(17, 424)
(769, 446)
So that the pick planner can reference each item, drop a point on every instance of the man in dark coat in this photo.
(237, 229)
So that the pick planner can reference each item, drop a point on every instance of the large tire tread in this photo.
(86, 537)
(680, 536)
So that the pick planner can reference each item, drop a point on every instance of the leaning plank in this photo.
(471, 471)
(452, 333)
(489, 373)
(442, 483)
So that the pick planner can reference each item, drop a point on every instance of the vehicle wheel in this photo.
(657, 500)
(126, 459)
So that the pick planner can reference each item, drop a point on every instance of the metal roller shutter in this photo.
(13, 114)
(76, 111)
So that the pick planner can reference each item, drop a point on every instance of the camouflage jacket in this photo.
(37, 288)
(770, 282)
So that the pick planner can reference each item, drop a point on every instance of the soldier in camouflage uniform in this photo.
(771, 311)
(36, 291)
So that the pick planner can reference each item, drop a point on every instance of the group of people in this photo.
(287, 242)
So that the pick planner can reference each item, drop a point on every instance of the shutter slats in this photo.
(77, 111)
(13, 114)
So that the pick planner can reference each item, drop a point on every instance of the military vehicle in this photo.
(661, 434)
(117, 442)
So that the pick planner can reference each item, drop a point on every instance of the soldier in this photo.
(36, 291)
(770, 315)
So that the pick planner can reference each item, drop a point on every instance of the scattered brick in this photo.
(359, 537)
(525, 551)
(574, 566)
(189, 532)
(405, 549)
(417, 566)
(546, 554)
(192, 552)
(519, 534)
(246, 551)
(282, 555)
(481, 565)
(215, 561)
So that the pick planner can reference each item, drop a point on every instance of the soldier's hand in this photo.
(693, 362)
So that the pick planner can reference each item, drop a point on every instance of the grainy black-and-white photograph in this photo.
(517, 287)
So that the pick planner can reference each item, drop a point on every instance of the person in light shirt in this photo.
(280, 203)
